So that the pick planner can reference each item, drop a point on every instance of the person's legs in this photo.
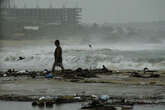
(57, 64)
(62, 67)
(53, 68)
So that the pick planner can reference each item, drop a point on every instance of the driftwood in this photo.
(147, 74)
(136, 74)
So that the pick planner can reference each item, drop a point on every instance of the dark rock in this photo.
(152, 75)
(67, 71)
(33, 75)
(145, 70)
(34, 103)
(155, 75)
(41, 104)
(49, 104)
(78, 70)
(104, 69)
(135, 74)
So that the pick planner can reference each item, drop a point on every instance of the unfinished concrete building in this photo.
(47, 20)
(58, 16)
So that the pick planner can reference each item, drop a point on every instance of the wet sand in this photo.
(119, 84)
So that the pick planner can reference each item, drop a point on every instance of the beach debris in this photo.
(146, 70)
(94, 96)
(78, 74)
(115, 101)
(34, 103)
(93, 104)
(11, 70)
(45, 71)
(49, 104)
(5, 75)
(68, 99)
(22, 71)
(33, 75)
(41, 104)
(104, 102)
(104, 69)
(44, 101)
(49, 75)
(154, 75)
(85, 73)
(104, 97)
(127, 107)
(42, 98)
(79, 70)
(98, 104)
(78, 98)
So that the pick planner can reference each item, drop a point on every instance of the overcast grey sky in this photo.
(110, 11)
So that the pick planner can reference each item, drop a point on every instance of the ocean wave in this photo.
(42, 58)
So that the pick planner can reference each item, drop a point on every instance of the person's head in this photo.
(57, 43)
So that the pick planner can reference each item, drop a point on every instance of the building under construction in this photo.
(39, 15)
(15, 20)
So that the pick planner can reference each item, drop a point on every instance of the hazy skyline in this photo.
(108, 11)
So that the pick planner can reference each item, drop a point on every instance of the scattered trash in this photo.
(92, 104)
(34, 103)
(11, 70)
(45, 71)
(49, 75)
(41, 98)
(104, 97)
(104, 69)
(97, 104)
(127, 107)
(41, 104)
(33, 75)
(94, 96)
(43, 101)
(23, 71)
(4, 75)
(146, 70)
(49, 104)
(78, 98)
(155, 75)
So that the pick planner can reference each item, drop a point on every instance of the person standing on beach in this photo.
(57, 56)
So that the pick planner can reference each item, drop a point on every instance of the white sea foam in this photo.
(39, 58)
